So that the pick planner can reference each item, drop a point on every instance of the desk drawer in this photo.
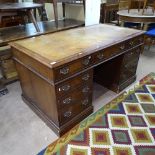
(108, 52)
(73, 83)
(73, 67)
(75, 96)
(67, 113)
(135, 41)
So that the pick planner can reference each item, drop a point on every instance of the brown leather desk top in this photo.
(62, 47)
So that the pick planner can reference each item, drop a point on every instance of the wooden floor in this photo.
(24, 31)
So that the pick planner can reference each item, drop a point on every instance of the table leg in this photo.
(55, 12)
(84, 5)
(145, 2)
(32, 18)
(63, 10)
(142, 25)
(145, 27)
(122, 23)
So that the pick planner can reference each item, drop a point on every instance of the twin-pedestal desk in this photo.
(57, 70)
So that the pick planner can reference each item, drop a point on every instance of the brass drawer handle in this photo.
(67, 100)
(126, 66)
(141, 40)
(86, 61)
(85, 102)
(131, 53)
(64, 70)
(122, 47)
(67, 114)
(86, 89)
(100, 56)
(131, 43)
(86, 77)
(64, 88)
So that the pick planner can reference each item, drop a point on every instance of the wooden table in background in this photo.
(136, 16)
(25, 6)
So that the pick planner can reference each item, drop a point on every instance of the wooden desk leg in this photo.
(32, 18)
(55, 12)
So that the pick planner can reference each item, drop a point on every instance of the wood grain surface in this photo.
(55, 49)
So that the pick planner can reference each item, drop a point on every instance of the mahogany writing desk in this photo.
(56, 70)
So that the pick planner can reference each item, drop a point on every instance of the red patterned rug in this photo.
(125, 126)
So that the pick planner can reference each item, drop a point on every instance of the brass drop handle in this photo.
(86, 77)
(67, 114)
(131, 43)
(85, 102)
(122, 47)
(64, 70)
(100, 56)
(85, 90)
(126, 66)
(64, 88)
(141, 40)
(67, 100)
(131, 53)
(86, 61)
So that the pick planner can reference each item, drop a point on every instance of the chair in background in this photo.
(150, 3)
(135, 4)
(141, 4)
(43, 14)
(150, 37)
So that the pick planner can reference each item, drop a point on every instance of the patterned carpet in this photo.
(125, 126)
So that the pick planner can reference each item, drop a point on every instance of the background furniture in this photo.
(9, 34)
(136, 4)
(150, 37)
(57, 77)
(141, 4)
(109, 11)
(135, 16)
(123, 4)
(24, 8)
(9, 18)
(42, 11)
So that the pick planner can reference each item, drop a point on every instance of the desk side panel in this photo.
(39, 95)
(31, 63)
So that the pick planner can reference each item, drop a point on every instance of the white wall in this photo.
(92, 15)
